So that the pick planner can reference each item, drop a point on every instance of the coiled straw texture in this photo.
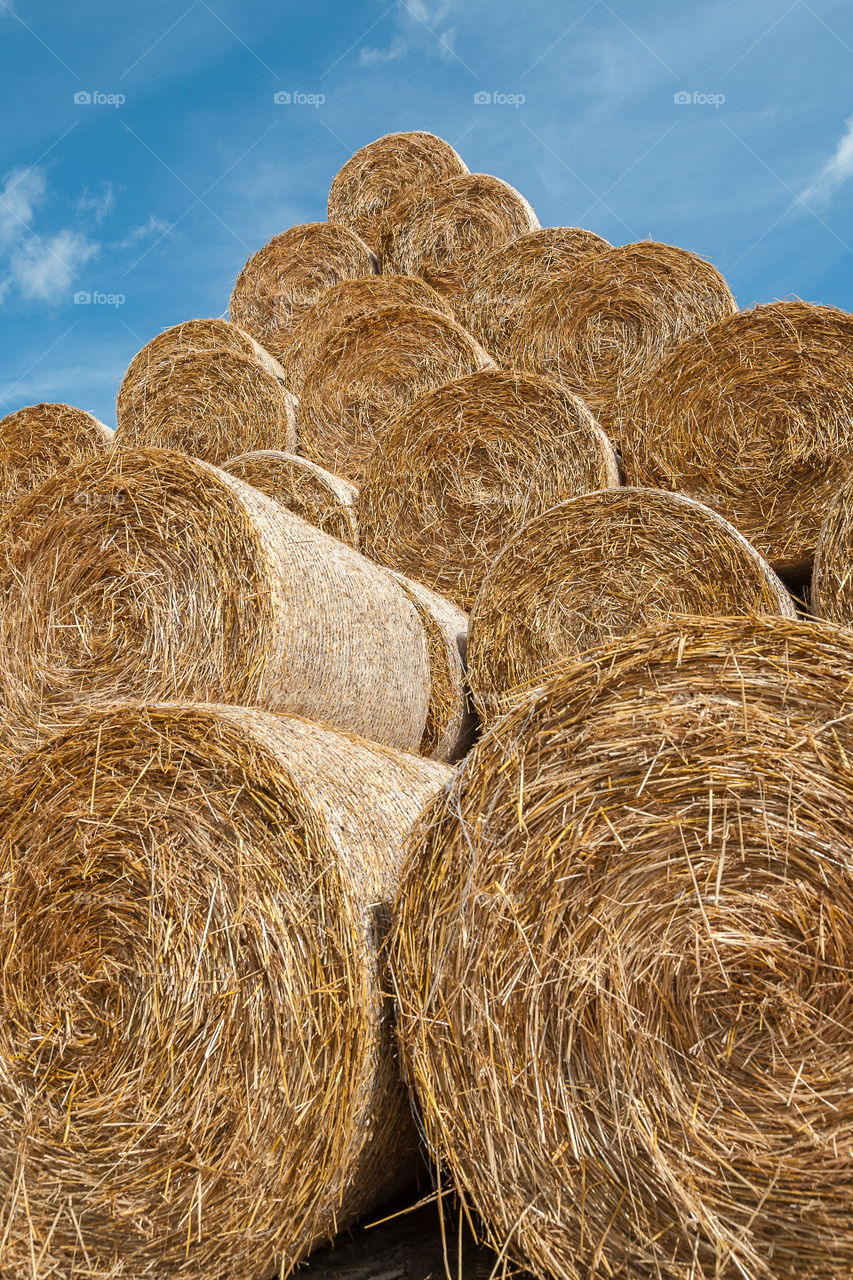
(43, 438)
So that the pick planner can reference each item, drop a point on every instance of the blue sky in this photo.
(144, 155)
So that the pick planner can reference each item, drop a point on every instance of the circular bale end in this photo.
(754, 417)
(43, 438)
(324, 500)
(371, 369)
(379, 174)
(464, 466)
(197, 1065)
(603, 565)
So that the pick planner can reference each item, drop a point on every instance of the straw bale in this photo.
(42, 438)
(197, 1062)
(754, 417)
(155, 576)
(832, 581)
(603, 565)
(370, 369)
(284, 278)
(623, 959)
(466, 465)
(323, 499)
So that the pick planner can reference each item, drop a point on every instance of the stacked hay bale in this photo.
(43, 438)
(323, 499)
(465, 465)
(622, 961)
(198, 1072)
(832, 585)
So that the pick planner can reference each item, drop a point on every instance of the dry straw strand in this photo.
(198, 1071)
(466, 465)
(40, 439)
(323, 499)
(832, 582)
(602, 565)
(755, 417)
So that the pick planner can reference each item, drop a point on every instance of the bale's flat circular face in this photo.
(754, 417)
(324, 500)
(43, 438)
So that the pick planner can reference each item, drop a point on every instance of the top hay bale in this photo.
(377, 176)
(287, 276)
(603, 327)
(43, 438)
(754, 417)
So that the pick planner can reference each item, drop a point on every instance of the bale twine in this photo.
(372, 368)
(151, 575)
(754, 417)
(197, 1064)
(602, 565)
(501, 283)
(287, 276)
(324, 500)
(442, 230)
(210, 404)
(466, 465)
(344, 302)
(379, 174)
(603, 327)
(622, 962)
(832, 582)
(43, 438)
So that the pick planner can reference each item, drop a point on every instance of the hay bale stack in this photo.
(43, 438)
(603, 565)
(209, 404)
(378, 175)
(501, 283)
(287, 276)
(601, 328)
(623, 970)
(372, 369)
(466, 465)
(344, 302)
(197, 1065)
(314, 494)
(832, 582)
(152, 575)
(754, 417)
(442, 230)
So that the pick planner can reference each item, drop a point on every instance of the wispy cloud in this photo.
(372, 57)
(99, 204)
(153, 227)
(22, 190)
(419, 24)
(837, 170)
(43, 270)
(39, 267)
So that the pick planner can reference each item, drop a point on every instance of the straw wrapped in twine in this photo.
(43, 438)
(311, 492)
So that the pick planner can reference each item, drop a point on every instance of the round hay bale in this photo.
(287, 276)
(151, 575)
(603, 565)
(442, 230)
(378, 175)
(43, 438)
(501, 283)
(344, 302)
(622, 963)
(369, 370)
(450, 722)
(754, 417)
(832, 581)
(209, 404)
(311, 492)
(466, 465)
(603, 327)
(197, 1063)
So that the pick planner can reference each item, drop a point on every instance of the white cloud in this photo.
(837, 170)
(419, 25)
(153, 227)
(371, 57)
(99, 205)
(22, 191)
(44, 269)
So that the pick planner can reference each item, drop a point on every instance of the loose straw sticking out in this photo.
(193, 900)
(603, 327)
(442, 230)
(287, 276)
(600, 566)
(209, 404)
(41, 439)
(152, 575)
(344, 302)
(622, 961)
(379, 174)
(754, 417)
(501, 283)
(309, 491)
(372, 368)
(466, 465)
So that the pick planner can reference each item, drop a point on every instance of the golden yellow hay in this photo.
(43, 438)
(754, 417)
(832, 581)
(599, 566)
(466, 465)
(310, 491)
(287, 276)
(372, 368)
(198, 1071)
